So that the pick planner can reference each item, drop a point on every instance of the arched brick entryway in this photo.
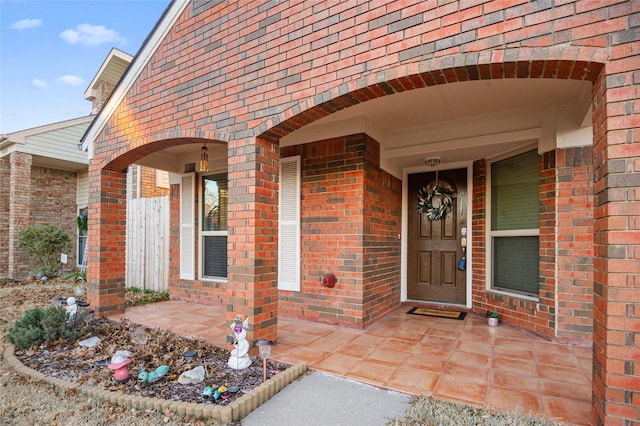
(572, 63)
(107, 216)
(263, 89)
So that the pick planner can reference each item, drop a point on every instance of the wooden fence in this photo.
(148, 243)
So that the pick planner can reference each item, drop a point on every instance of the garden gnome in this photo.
(239, 359)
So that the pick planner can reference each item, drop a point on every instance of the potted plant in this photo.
(83, 220)
(493, 319)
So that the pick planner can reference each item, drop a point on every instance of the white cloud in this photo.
(91, 35)
(26, 24)
(38, 84)
(69, 80)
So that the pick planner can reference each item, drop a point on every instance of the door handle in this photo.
(463, 238)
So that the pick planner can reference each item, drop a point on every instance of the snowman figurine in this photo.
(239, 359)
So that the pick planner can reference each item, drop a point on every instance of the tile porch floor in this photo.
(454, 360)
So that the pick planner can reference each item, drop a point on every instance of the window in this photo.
(82, 236)
(214, 225)
(514, 232)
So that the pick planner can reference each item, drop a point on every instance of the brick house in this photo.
(44, 176)
(43, 180)
(323, 123)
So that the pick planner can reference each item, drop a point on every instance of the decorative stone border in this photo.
(233, 411)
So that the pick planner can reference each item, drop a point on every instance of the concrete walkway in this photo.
(320, 399)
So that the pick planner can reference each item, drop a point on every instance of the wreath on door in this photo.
(435, 200)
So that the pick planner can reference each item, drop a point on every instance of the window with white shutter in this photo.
(289, 225)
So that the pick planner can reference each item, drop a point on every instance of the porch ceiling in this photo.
(459, 122)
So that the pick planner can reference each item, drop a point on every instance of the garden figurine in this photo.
(239, 359)
(72, 306)
(119, 363)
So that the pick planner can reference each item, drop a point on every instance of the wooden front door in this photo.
(435, 273)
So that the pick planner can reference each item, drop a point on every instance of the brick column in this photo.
(19, 211)
(106, 240)
(616, 326)
(574, 242)
(5, 184)
(478, 239)
(252, 241)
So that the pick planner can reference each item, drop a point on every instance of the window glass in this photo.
(516, 264)
(82, 238)
(515, 213)
(214, 225)
(214, 203)
(514, 192)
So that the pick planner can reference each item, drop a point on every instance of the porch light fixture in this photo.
(432, 161)
(204, 159)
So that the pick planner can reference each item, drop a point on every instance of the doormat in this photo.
(437, 313)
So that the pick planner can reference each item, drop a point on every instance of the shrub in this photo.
(39, 326)
(44, 243)
(27, 330)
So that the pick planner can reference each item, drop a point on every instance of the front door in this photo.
(436, 268)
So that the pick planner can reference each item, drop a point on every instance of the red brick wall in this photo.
(575, 247)
(5, 184)
(616, 154)
(479, 237)
(252, 235)
(345, 229)
(19, 210)
(382, 228)
(106, 239)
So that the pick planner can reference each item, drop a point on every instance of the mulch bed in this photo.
(67, 360)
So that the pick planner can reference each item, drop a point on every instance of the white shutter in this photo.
(289, 226)
(187, 231)
(82, 194)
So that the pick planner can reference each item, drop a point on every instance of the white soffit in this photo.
(111, 70)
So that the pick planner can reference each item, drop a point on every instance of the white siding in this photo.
(59, 144)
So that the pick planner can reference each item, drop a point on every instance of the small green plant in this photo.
(76, 275)
(44, 243)
(39, 326)
(493, 314)
(136, 296)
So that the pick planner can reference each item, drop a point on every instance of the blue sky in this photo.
(50, 50)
